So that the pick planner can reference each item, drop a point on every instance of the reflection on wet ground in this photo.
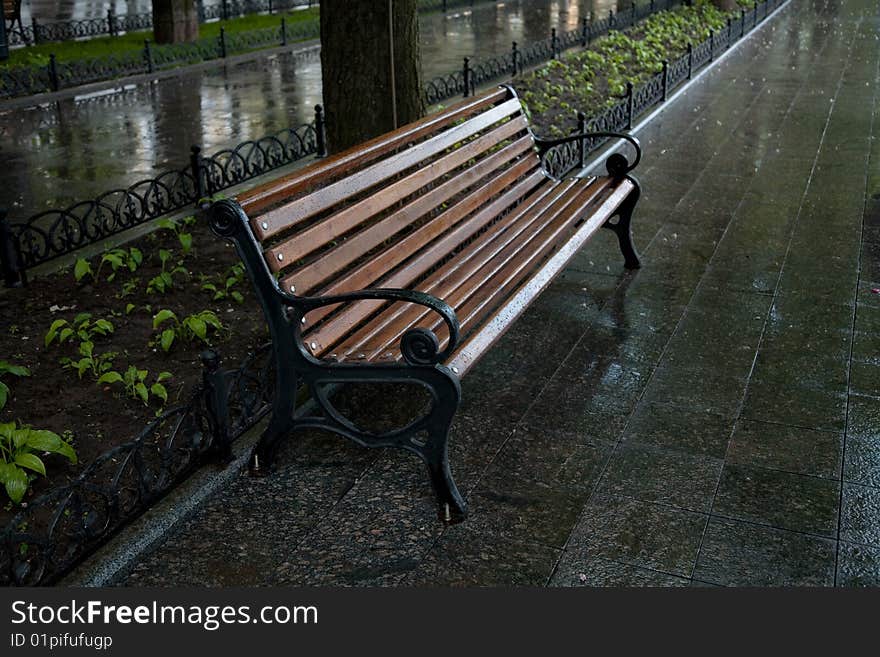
(75, 149)
(712, 419)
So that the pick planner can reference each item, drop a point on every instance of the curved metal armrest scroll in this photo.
(419, 346)
(617, 164)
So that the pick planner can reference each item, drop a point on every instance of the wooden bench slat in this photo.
(334, 261)
(497, 270)
(466, 356)
(261, 198)
(375, 272)
(336, 327)
(292, 213)
(315, 236)
(445, 282)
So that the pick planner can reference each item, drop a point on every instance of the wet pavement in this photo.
(712, 419)
(72, 150)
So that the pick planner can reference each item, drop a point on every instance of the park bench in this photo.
(404, 259)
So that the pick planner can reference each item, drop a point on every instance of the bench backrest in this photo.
(385, 213)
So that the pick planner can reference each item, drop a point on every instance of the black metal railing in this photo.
(29, 80)
(112, 25)
(55, 233)
(475, 73)
(56, 531)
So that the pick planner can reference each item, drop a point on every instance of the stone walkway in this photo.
(711, 419)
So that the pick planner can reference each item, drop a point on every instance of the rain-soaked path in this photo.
(712, 419)
(77, 148)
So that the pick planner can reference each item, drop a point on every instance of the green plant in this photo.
(164, 281)
(191, 328)
(135, 383)
(177, 227)
(116, 258)
(17, 447)
(224, 288)
(97, 364)
(12, 370)
(82, 327)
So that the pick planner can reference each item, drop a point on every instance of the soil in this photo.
(95, 418)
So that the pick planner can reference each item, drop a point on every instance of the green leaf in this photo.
(41, 440)
(164, 255)
(141, 391)
(86, 348)
(163, 376)
(110, 377)
(14, 480)
(82, 268)
(52, 333)
(186, 241)
(65, 335)
(104, 326)
(237, 296)
(159, 391)
(128, 308)
(31, 462)
(20, 437)
(162, 316)
(4, 394)
(7, 429)
(15, 370)
(167, 339)
(136, 257)
(211, 319)
(198, 327)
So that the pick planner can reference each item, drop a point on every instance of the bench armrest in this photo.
(419, 346)
(617, 164)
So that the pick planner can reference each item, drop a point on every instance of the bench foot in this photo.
(452, 507)
(623, 228)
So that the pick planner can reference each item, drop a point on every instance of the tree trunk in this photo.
(360, 83)
(175, 21)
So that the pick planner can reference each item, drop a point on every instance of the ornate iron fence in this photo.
(113, 25)
(56, 233)
(54, 532)
(23, 81)
(58, 530)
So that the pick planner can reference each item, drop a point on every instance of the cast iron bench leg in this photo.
(623, 227)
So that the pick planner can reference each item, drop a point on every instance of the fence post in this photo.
(13, 273)
(36, 28)
(665, 79)
(271, 8)
(729, 28)
(283, 31)
(53, 72)
(111, 22)
(690, 60)
(554, 42)
(652, 6)
(222, 38)
(755, 14)
(198, 173)
(225, 11)
(148, 55)
(610, 18)
(466, 76)
(585, 33)
(216, 391)
(514, 56)
(444, 6)
(582, 142)
(320, 132)
(629, 105)
(742, 23)
(711, 45)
